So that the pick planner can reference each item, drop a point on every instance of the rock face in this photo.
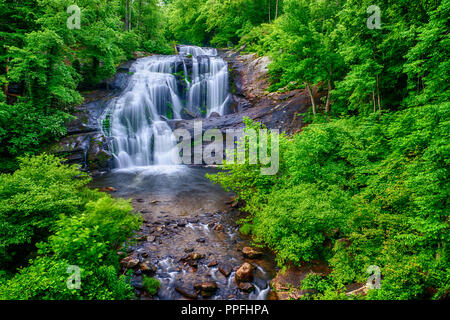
(244, 273)
(249, 85)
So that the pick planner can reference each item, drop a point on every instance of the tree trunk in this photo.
(129, 19)
(327, 105)
(374, 103)
(378, 93)
(308, 87)
(269, 10)
(139, 15)
(276, 10)
(126, 14)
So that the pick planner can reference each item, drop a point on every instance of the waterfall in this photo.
(140, 117)
(209, 87)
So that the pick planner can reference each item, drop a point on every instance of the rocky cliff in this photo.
(249, 83)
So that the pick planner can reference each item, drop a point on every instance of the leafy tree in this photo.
(49, 202)
(32, 199)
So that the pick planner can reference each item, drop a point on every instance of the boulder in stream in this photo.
(225, 269)
(251, 253)
(246, 287)
(244, 273)
(186, 293)
(206, 289)
(147, 267)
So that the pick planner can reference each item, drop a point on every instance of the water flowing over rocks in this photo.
(168, 237)
(249, 83)
(122, 123)
(189, 239)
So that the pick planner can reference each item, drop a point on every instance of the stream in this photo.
(189, 236)
(184, 213)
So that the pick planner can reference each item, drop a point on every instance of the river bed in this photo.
(185, 214)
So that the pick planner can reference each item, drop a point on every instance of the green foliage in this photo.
(216, 22)
(358, 192)
(85, 226)
(88, 239)
(40, 63)
(295, 222)
(151, 285)
(158, 46)
(31, 200)
(327, 44)
(24, 129)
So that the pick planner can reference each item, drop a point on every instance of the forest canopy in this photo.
(365, 182)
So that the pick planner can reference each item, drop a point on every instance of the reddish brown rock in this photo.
(213, 263)
(246, 287)
(225, 270)
(206, 289)
(251, 253)
(244, 273)
(107, 189)
(129, 262)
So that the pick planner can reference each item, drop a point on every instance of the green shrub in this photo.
(31, 201)
(87, 240)
(151, 285)
(358, 192)
(158, 46)
(49, 202)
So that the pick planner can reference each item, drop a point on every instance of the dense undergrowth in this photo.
(50, 220)
(357, 192)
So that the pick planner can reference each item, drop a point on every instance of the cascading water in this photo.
(140, 117)
(190, 214)
(209, 87)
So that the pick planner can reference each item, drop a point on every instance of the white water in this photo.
(139, 124)
(209, 87)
